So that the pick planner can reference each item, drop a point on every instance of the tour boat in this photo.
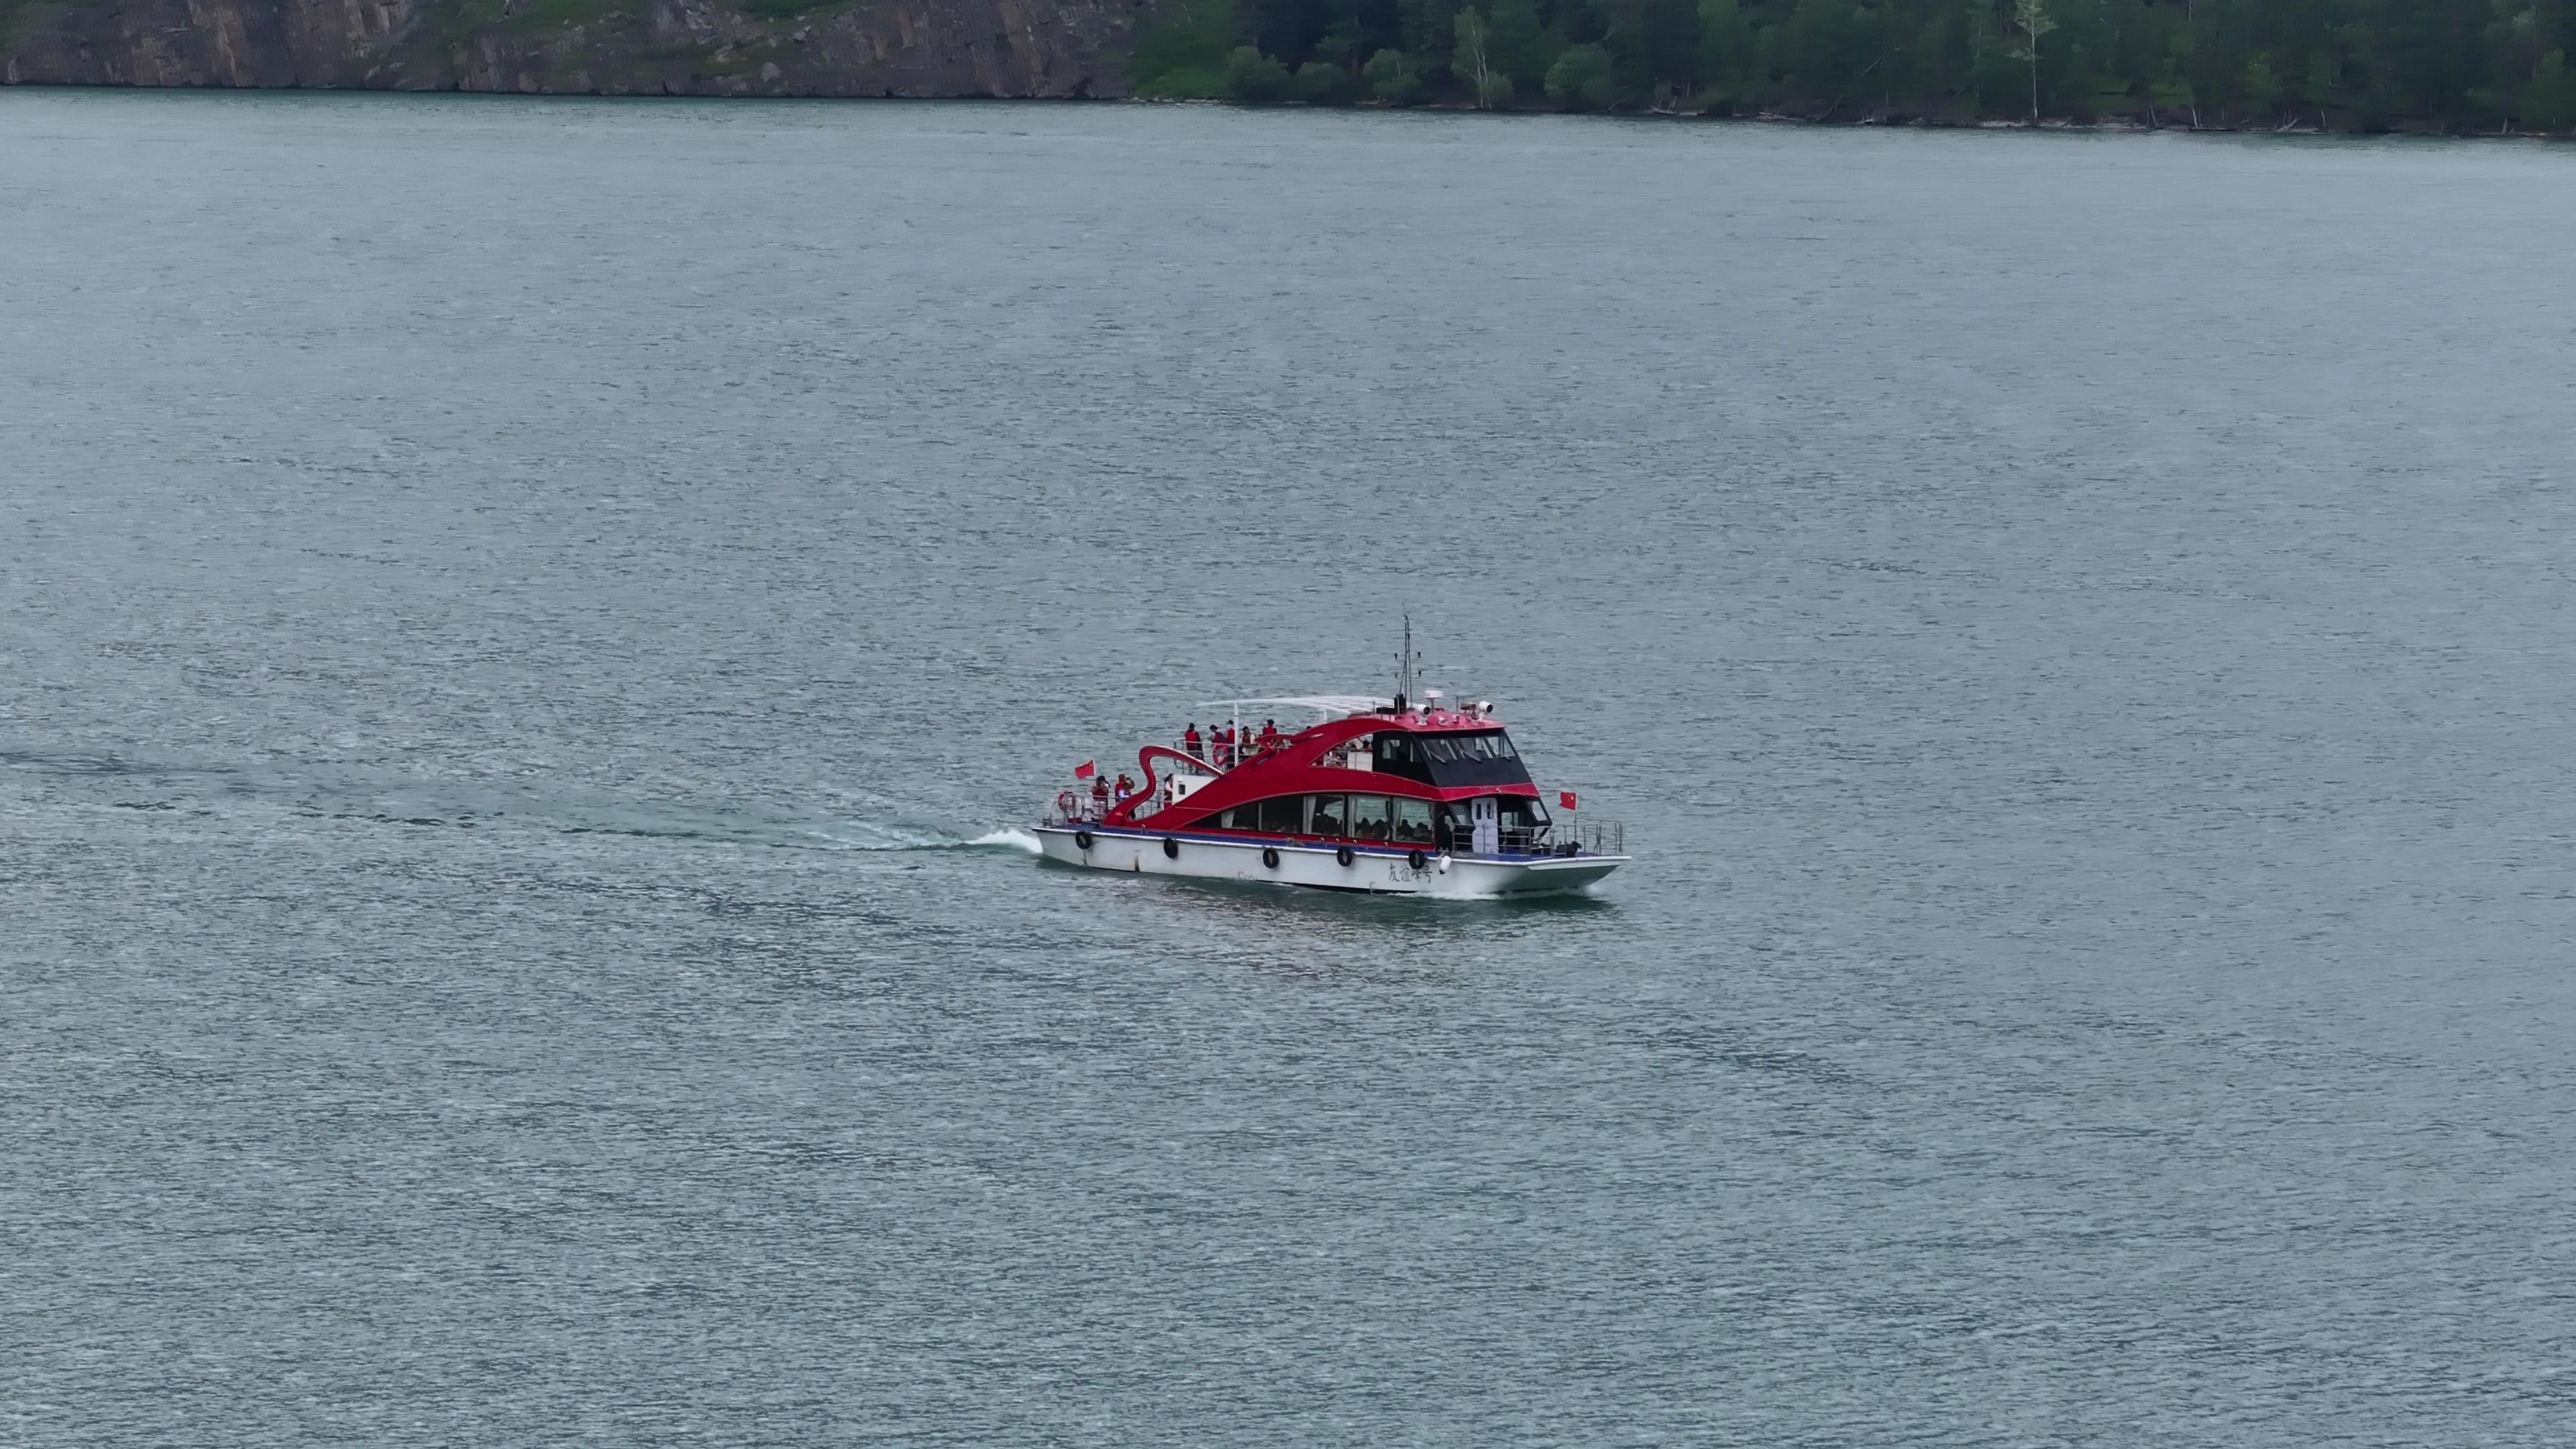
(1387, 796)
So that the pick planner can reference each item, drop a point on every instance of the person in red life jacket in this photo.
(1269, 735)
(1191, 742)
(1126, 787)
(1225, 747)
(1099, 796)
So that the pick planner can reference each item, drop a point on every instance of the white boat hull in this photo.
(1376, 870)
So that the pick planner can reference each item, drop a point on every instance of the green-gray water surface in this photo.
(514, 615)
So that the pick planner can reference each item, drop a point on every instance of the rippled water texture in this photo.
(517, 616)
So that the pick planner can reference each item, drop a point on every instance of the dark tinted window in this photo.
(1401, 756)
(1485, 757)
(1326, 818)
(1284, 815)
(1368, 817)
(1413, 822)
(1455, 826)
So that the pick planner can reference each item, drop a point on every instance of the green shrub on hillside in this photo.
(1392, 78)
(1321, 84)
(1254, 79)
(1180, 55)
(1580, 80)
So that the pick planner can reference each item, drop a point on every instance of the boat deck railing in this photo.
(1076, 807)
(1221, 760)
(1590, 837)
(1599, 837)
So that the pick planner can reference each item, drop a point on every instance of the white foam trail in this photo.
(360, 792)
(867, 835)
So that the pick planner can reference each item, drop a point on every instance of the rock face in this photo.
(1062, 48)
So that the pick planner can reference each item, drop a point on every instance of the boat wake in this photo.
(185, 789)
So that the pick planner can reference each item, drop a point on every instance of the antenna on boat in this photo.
(1407, 664)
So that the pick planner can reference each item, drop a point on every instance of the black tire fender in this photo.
(1270, 856)
(1344, 855)
(1082, 840)
(1171, 848)
(1417, 860)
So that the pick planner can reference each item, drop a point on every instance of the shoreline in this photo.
(1642, 115)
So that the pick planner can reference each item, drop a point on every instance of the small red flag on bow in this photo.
(1565, 799)
(1086, 770)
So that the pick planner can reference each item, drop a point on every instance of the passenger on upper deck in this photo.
(1125, 788)
(1224, 747)
(1099, 796)
(1191, 742)
(1269, 735)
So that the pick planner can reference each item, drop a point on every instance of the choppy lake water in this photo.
(521, 622)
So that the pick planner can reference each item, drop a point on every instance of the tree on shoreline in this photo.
(1473, 63)
(2032, 17)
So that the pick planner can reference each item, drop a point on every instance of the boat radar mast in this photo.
(1408, 665)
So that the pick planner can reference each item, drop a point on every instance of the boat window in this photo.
(1480, 757)
(1368, 817)
(1485, 757)
(1412, 822)
(1522, 821)
(1283, 815)
(1241, 817)
(1326, 817)
(1401, 756)
(1456, 826)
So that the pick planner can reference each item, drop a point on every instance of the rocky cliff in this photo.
(578, 47)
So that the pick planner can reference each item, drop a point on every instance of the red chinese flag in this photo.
(1565, 799)
(1086, 770)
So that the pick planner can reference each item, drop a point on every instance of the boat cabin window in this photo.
(1412, 822)
(1375, 818)
(1368, 817)
(1327, 819)
(1400, 755)
(1455, 825)
(1477, 757)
